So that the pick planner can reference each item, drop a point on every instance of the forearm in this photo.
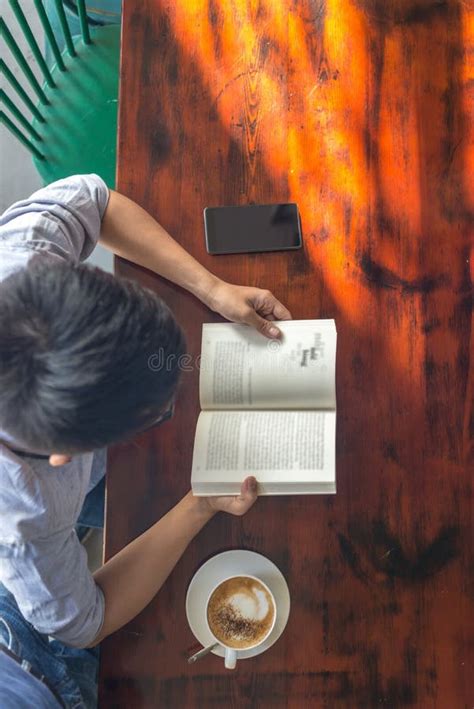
(129, 231)
(133, 576)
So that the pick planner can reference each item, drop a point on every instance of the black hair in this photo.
(75, 350)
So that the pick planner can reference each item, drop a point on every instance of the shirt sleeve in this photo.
(54, 588)
(63, 218)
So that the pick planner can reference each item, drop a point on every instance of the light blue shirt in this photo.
(42, 562)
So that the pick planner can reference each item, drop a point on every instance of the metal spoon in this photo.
(201, 653)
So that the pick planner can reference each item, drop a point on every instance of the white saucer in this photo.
(231, 563)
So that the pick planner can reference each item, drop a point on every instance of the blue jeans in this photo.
(92, 513)
(71, 672)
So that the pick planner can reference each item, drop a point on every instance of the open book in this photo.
(268, 409)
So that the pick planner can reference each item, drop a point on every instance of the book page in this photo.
(241, 369)
(287, 451)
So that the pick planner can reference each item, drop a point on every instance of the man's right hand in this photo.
(233, 504)
(152, 556)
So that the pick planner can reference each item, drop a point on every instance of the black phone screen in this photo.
(260, 227)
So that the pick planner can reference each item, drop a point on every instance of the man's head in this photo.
(75, 349)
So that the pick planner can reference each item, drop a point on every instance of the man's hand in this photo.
(233, 504)
(244, 304)
(153, 554)
(130, 232)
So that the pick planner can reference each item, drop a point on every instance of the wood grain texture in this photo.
(361, 112)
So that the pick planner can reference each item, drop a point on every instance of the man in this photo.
(74, 377)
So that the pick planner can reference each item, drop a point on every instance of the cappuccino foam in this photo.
(240, 612)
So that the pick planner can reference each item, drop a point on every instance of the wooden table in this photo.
(361, 112)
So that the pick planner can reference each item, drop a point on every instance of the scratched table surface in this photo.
(361, 112)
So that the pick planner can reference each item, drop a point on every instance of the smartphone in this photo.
(259, 227)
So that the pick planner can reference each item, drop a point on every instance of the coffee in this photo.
(240, 612)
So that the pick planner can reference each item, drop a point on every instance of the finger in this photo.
(249, 487)
(248, 495)
(266, 327)
(280, 312)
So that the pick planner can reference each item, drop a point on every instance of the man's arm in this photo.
(133, 576)
(129, 231)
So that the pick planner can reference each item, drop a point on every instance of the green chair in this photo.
(72, 128)
(99, 12)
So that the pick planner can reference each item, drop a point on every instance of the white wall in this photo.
(18, 175)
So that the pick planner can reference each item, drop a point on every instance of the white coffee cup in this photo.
(232, 653)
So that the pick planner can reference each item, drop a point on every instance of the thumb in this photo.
(248, 495)
(266, 327)
(249, 489)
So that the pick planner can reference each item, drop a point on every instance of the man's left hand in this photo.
(245, 304)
